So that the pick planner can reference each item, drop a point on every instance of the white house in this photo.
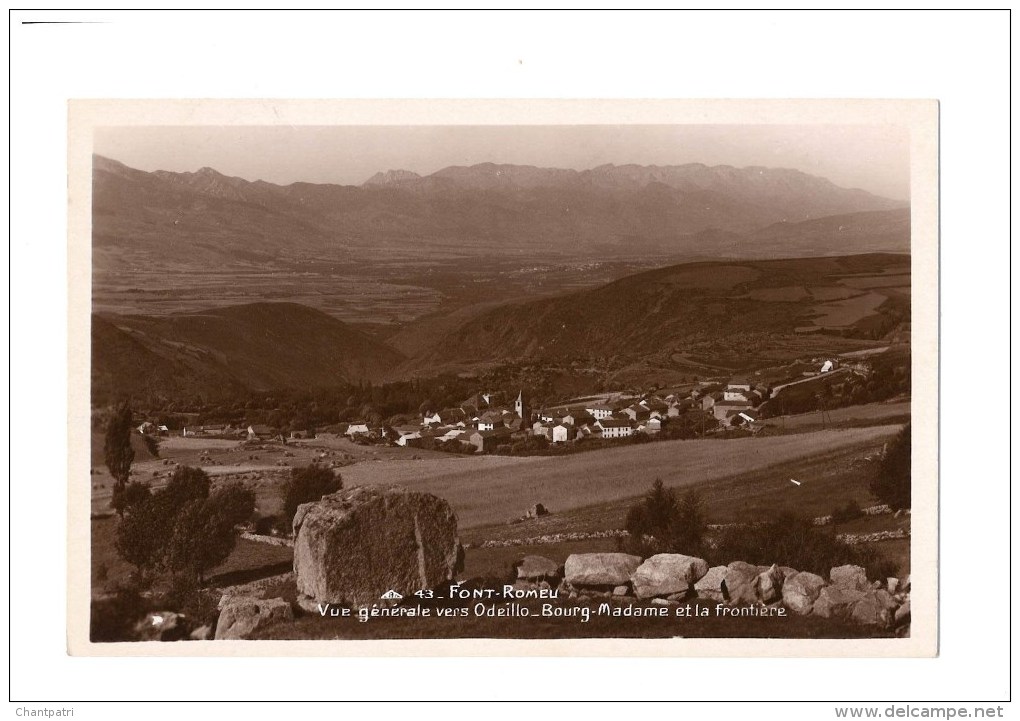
(614, 428)
(356, 429)
(561, 433)
(598, 412)
(405, 437)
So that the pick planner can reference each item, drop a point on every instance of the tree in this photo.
(183, 529)
(892, 482)
(117, 452)
(306, 485)
(663, 523)
(133, 494)
(203, 531)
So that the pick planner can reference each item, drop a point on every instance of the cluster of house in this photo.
(484, 423)
(495, 425)
(481, 422)
(738, 399)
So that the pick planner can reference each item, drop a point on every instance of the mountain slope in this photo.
(260, 346)
(714, 309)
(164, 218)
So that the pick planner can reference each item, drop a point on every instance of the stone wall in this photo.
(672, 578)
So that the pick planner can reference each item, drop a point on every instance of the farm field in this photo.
(486, 490)
(875, 413)
(490, 489)
(827, 480)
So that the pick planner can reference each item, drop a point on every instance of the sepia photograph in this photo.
(500, 358)
(529, 382)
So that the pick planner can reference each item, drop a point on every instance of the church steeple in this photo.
(519, 405)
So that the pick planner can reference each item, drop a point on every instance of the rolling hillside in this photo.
(722, 311)
(258, 346)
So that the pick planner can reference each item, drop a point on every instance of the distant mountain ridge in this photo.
(718, 309)
(206, 216)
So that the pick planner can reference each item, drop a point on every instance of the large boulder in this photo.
(851, 578)
(241, 617)
(740, 583)
(537, 568)
(600, 569)
(354, 545)
(835, 602)
(710, 585)
(667, 573)
(801, 591)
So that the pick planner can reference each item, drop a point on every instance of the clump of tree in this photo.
(118, 453)
(183, 529)
(663, 522)
(306, 485)
(892, 482)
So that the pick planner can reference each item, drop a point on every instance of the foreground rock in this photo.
(537, 568)
(667, 573)
(768, 586)
(354, 545)
(600, 569)
(162, 626)
(801, 591)
(851, 578)
(710, 585)
(241, 617)
(739, 585)
(877, 608)
(836, 602)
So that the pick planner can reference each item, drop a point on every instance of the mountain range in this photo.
(153, 219)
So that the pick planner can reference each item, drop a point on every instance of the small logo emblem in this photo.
(391, 595)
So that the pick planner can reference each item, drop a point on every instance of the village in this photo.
(490, 422)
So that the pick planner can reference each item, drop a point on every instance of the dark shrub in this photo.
(892, 482)
(789, 540)
(663, 523)
(151, 444)
(126, 497)
(114, 618)
(183, 529)
(849, 512)
(306, 485)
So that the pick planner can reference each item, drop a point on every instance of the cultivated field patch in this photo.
(844, 313)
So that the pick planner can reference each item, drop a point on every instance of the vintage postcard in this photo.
(452, 377)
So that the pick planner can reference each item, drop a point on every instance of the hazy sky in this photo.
(871, 157)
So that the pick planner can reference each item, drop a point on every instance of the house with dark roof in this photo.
(636, 412)
(485, 441)
(614, 427)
